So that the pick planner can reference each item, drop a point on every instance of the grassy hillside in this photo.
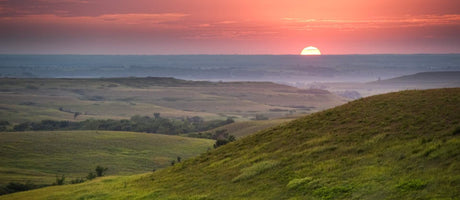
(401, 145)
(121, 98)
(245, 128)
(40, 156)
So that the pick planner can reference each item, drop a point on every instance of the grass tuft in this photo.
(294, 183)
(255, 170)
(411, 185)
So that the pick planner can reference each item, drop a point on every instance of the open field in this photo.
(121, 98)
(40, 156)
(402, 145)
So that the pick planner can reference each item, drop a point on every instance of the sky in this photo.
(229, 26)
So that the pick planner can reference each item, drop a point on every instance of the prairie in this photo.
(121, 98)
(41, 156)
(402, 145)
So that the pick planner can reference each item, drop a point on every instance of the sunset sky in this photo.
(229, 26)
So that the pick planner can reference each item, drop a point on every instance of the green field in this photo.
(401, 145)
(40, 156)
(121, 98)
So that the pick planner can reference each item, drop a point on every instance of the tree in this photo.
(17, 187)
(156, 115)
(60, 181)
(22, 126)
(91, 176)
(3, 125)
(220, 142)
(261, 117)
(226, 140)
(75, 115)
(179, 159)
(231, 138)
(77, 180)
(100, 170)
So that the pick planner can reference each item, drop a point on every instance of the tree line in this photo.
(13, 187)
(155, 124)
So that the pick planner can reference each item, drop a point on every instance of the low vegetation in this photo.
(156, 124)
(401, 145)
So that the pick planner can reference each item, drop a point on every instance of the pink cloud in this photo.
(110, 19)
(62, 1)
(408, 21)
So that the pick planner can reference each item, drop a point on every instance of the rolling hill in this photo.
(402, 145)
(40, 156)
(37, 99)
(442, 78)
(418, 81)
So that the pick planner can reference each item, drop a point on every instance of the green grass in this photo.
(244, 128)
(40, 156)
(401, 145)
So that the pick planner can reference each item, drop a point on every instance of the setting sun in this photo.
(310, 51)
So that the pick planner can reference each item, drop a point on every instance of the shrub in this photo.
(77, 180)
(91, 176)
(220, 142)
(60, 181)
(261, 117)
(456, 131)
(13, 187)
(101, 170)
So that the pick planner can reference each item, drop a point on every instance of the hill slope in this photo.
(401, 145)
(244, 128)
(40, 156)
(443, 77)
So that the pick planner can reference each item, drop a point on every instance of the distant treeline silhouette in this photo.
(137, 123)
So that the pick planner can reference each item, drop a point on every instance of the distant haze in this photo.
(282, 68)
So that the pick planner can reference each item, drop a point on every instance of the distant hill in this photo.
(40, 156)
(439, 78)
(402, 145)
(418, 81)
(37, 99)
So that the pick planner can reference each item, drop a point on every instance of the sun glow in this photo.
(310, 51)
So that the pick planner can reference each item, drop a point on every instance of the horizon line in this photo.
(77, 54)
